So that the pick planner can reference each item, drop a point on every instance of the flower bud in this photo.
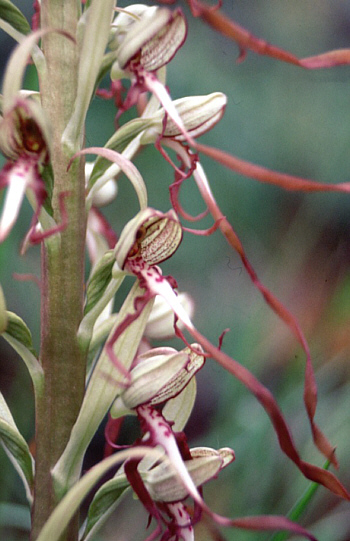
(104, 194)
(164, 485)
(161, 374)
(151, 235)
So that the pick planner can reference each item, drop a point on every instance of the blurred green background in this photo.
(284, 118)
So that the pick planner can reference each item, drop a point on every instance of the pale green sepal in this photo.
(176, 410)
(118, 142)
(155, 38)
(103, 388)
(198, 113)
(180, 378)
(16, 67)
(125, 19)
(106, 499)
(62, 514)
(16, 448)
(96, 35)
(140, 32)
(160, 325)
(179, 409)
(14, 17)
(128, 168)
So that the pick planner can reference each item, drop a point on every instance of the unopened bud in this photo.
(104, 194)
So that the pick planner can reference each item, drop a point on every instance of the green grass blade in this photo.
(300, 506)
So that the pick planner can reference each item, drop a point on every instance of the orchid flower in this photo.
(145, 45)
(24, 143)
(158, 377)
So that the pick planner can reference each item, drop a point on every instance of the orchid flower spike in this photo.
(24, 137)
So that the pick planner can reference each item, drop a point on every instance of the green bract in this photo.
(16, 447)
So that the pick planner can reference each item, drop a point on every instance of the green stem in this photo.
(62, 268)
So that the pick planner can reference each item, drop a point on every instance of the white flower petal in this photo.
(19, 177)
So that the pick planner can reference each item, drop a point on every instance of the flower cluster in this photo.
(125, 373)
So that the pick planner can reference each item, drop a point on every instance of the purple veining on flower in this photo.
(164, 486)
(147, 45)
(22, 142)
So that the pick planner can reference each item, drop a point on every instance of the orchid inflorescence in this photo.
(125, 374)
